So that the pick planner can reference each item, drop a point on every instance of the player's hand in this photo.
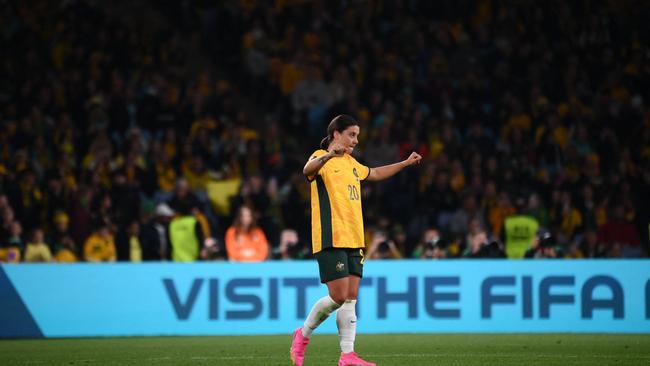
(336, 149)
(414, 158)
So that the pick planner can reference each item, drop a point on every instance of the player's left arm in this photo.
(387, 171)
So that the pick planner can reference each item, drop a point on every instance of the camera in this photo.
(383, 247)
(490, 249)
(546, 239)
(434, 243)
(294, 249)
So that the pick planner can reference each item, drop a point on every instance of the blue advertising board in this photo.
(217, 298)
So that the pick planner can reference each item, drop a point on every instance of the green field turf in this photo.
(395, 349)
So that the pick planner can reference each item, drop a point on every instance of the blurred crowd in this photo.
(124, 140)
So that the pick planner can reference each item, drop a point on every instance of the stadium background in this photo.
(117, 118)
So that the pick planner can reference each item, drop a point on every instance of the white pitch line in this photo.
(412, 355)
(437, 355)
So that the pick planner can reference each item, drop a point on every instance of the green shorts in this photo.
(335, 263)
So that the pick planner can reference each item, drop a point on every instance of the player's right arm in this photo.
(315, 163)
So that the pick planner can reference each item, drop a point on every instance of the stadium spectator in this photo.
(128, 245)
(544, 246)
(81, 224)
(590, 247)
(14, 244)
(245, 241)
(475, 227)
(430, 239)
(186, 234)
(8, 217)
(442, 199)
(382, 247)
(61, 243)
(519, 232)
(460, 221)
(571, 219)
(499, 211)
(618, 234)
(536, 209)
(100, 245)
(36, 249)
(589, 209)
(435, 251)
(291, 247)
(480, 246)
(154, 236)
(257, 194)
(399, 237)
(213, 250)
(186, 199)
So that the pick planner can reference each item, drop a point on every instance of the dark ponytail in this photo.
(325, 142)
(340, 123)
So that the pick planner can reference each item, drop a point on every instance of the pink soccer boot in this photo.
(352, 359)
(298, 347)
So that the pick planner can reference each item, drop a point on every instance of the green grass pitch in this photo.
(392, 349)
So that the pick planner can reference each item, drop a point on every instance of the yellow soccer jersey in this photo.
(336, 217)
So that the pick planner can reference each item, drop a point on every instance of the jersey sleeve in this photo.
(316, 154)
(362, 170)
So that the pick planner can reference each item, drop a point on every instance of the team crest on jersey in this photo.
(339, 266)
(354, 171)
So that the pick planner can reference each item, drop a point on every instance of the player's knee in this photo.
(339, 294)
(338, 298)
(352, 294)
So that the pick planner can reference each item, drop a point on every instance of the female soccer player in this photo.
(337, 233)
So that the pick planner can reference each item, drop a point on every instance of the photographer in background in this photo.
(544, 246)
(481, 246)
(291, 247)
(431, 247)
(213, 250)
(382, 247)
(435, 250)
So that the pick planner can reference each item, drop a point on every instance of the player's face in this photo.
(348, 138)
